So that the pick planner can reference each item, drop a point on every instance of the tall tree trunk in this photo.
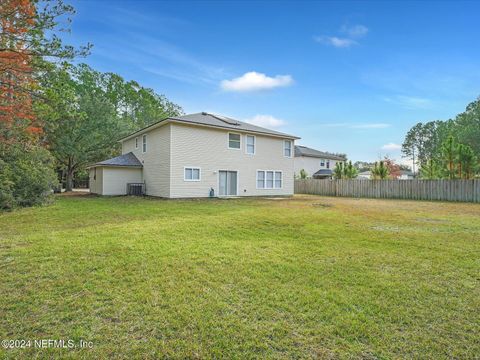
(70, 171)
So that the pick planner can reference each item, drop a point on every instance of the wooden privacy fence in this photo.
(444, 190)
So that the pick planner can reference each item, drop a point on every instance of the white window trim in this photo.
(136, 142)
(291, 148)
(254, 144)
(228, 141)
(144, 143)
(265, 180)
(193, 168)
(322, 162)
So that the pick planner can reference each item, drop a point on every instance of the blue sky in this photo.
(347, 77)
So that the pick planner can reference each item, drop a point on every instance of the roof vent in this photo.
(204, 113)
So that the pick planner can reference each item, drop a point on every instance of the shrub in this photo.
(27, 176)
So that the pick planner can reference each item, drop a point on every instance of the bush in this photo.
(27, 176)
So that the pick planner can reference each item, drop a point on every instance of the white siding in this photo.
(156, 161)
(207, 149)
(96, 180)
(311, 165)
(115, 179)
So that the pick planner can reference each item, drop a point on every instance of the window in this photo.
(278, 180)
(328, 164)
(250, 146)
(269, 179)
(191, 174)
(136, 143)
(322, 162)
(260, 179)
(234, 141)
(144, 143)
(287, 148)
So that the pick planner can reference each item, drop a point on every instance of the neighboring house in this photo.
(187, 156)
(317, 164)
(364, 175)
(404, 175)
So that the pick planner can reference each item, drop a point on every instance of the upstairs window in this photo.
(287, 148)
(322, 162)
(234, 141)
(136, 143)
(328, 164)
(144, 143)
(250, 147)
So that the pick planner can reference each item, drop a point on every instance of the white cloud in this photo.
(409, 102)
(335, 41)
(356, 31)
(371, 126)
(267, 121)
(392, 147)
(254, 81)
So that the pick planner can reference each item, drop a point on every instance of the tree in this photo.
(430, 170)
(467, 126)
(88, 111)
(344, 170)
(338, 170)
(27, 37)
(437, 141)
(26, 175)
(466, 161)
(380, 171)
(349, 171)
(393, 168)
(449, 154)
(303, 174)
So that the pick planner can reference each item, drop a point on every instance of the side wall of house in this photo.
(156, 160)
(207, 149)
(96, 180)
(115, 179)
(311, 165)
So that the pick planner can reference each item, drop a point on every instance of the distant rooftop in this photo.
(306, 151)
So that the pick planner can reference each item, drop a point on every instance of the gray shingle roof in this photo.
(204, 118)
(324, 172)
(306, 151)
(128, 159)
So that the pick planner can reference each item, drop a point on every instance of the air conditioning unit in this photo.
(136, 189)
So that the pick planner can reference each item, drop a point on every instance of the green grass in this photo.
(307, 277)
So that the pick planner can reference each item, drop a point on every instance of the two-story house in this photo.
(317, 164)
(200, 155)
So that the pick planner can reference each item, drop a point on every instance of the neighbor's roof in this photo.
(213, 120)
(128, 159)
(323, 172)
(306, 151)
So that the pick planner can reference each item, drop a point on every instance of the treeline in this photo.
(447, 149)
(56, 117)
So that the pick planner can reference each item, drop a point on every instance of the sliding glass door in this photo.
(227, 183)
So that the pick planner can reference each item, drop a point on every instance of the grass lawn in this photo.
(307, 277)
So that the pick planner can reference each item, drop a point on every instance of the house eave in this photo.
(115, 166)
(188, 123)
